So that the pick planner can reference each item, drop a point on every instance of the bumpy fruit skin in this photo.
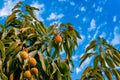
(32, 61)
(24, 55)
(27, 74)
(34, 71)
(70, 27)
(58, 38)
(11, 76)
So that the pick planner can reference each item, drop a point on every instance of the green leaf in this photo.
(85, 56)
(92, 45)
(54, 67)
(71, 62)
(33, 53)
(77, 34)
(99, 76)
(102, 62)
(30, 11)
(2, 49)
(57, 51)
(88, 69)
(59, 76)
(17, 5)
(11, 48)
(110, 63)
(117, 53)
(50, 30)
(4, 34)
(26, 17)
(10, 18)
(116, 58)
(116, 73)
(16, 50)
(31, 7)
(108, 73)
(42, 27)
(3, 76)
(96, 60)
(41, 57)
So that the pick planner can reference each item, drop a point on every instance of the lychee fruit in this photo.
(34, 71)
(24, 55)
(27, 74)
(58, 38)
(32, 61)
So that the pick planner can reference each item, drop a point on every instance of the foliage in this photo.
(22, 31)
(106, 61)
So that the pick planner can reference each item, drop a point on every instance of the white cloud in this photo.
(116, 39)
(99, 9)
(94, 5)
(82, 9)
(54, 16)
(75, 57)
(78, 70)
(72, 3)
(77, 16)
(92, 25)
(41, 10)
(114, 18)
(95, 34)
(84, 19)
(103, 35)
(89, 36)
(7, 7)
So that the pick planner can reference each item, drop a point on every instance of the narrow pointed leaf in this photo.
(85, 56)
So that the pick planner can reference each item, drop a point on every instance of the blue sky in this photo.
(91, 18)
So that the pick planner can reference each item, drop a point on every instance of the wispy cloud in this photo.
(41, 8)
(78, 70)
(99, 9)
(82, 8)
(92, 25)
(84, 19)
(7, 7)
(54, 16)
(114, 18)
(75, 57)
(116, 39)
(77, 16)
(72, 3)
(103, 35)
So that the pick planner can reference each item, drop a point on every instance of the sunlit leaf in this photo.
(96, 60)
(85, 56)
(11, 48)
(42, 61)
(2, 49)
(3, 76)
(10, 18)
(77, 34)
(108, 73)
(110, 63)
(116, 73)
(54, 67)
(92, 45)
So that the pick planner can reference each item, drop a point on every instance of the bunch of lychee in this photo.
(32, 70)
